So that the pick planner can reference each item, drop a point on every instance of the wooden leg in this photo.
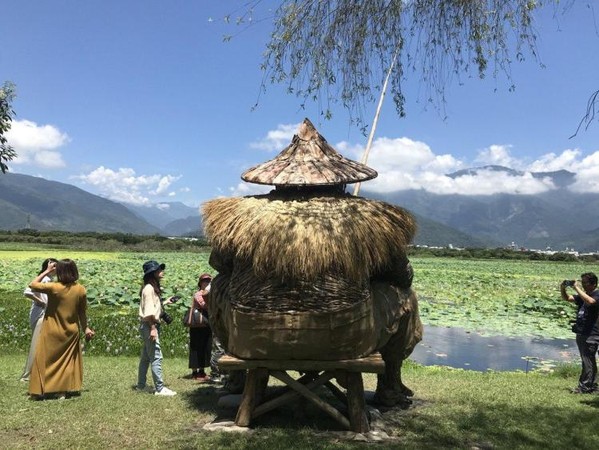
(307, 393)
(249, 398)
(356, 404)
(291, 394)
(337, 392)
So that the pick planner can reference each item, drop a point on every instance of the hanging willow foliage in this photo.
(340, 50)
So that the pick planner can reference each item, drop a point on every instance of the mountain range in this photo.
(32, 202)
(558, 219)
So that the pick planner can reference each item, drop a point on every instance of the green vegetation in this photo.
(27, 239)
(7, 96)
(509, 297)
(492, 296)
(452, 409)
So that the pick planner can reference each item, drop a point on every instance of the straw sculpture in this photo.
(310, 272)
(299, 239)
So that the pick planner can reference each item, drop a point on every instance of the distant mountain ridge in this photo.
(173, 218)
(550, 219)
(560, 178)
(33, 202)
(559, 218)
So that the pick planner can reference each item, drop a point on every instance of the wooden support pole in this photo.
(291, 395)
(249, 398)
(333, 412)
(356, 404)
(337, 392)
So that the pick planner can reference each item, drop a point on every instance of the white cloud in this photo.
(164, 183)
(124, 185)
(486, 182)
(498, 155)
(244, 188)
(401, 163)
(404, 163)
(552, 162)
(37, 144)
(276, 140)
(587, 174)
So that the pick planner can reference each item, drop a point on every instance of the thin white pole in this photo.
(376, 119)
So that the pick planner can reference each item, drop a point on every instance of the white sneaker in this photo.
(165, 392)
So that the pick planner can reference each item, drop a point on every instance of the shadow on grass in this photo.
(502, 426)
(298, 414)
(480, 424)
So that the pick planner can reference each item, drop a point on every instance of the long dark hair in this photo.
(45, 264)
(151, 278)
(66, 271)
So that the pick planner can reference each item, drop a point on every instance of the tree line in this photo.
(96, 241)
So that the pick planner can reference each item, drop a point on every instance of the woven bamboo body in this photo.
(320, 278)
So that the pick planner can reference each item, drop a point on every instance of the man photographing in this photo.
(586, 328)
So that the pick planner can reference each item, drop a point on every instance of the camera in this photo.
(568, 282)
(166, 317)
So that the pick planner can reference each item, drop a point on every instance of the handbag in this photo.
(195, 318)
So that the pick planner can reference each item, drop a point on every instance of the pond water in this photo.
(456, 347)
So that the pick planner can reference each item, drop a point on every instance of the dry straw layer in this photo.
(304, 238)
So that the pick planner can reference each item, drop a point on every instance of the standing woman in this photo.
(39, 301)
(57, 367)
(200, 338)
(150, 312)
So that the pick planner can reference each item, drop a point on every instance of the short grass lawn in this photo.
(452, 409)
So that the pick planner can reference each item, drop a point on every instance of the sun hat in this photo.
(308, 161)
(205, 276)
(152, 266)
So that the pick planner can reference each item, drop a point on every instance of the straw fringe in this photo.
(299, 239)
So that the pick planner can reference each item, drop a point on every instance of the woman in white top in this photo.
(39, 301)
(150, 314)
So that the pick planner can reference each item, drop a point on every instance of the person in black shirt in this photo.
(586, 327)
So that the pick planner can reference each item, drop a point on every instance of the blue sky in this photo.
(142, 101)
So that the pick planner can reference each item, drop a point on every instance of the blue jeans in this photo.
(151, 356)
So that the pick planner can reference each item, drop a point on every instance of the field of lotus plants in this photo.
(505, 297)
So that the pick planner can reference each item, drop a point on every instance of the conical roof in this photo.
(308, 161)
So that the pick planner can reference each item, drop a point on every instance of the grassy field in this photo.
(452, 409)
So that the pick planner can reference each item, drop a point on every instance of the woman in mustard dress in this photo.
(57, 367)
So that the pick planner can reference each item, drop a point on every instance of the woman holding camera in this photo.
(150, 313)
(57, 368)
(586, 327)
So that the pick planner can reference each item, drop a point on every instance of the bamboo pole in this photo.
(376, 119)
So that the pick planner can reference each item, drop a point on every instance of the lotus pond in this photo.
(492, 297)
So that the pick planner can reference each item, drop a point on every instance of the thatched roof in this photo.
(299, 239)
(308, 161)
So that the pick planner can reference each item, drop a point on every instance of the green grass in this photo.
(452, 409)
